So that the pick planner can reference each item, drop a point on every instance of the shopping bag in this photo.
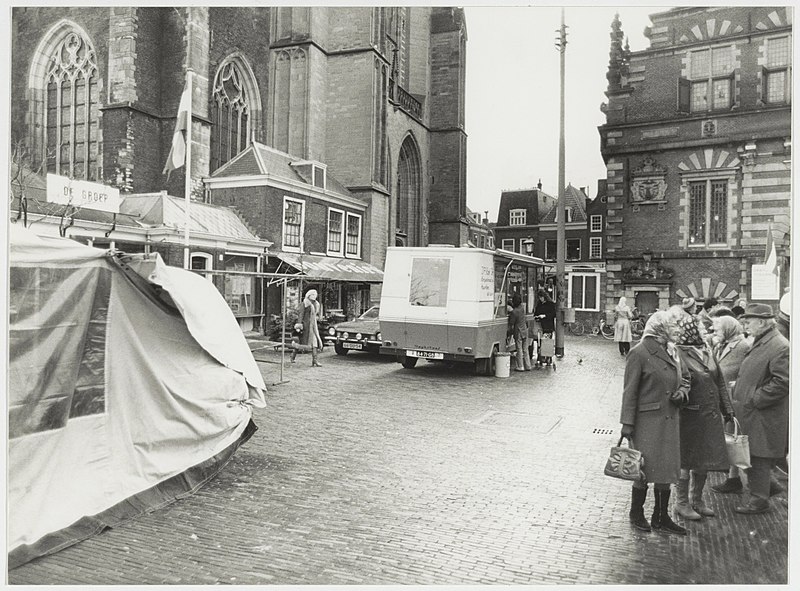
(625, 462)
(738, 446)
(511, 344)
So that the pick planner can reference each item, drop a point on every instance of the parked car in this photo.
(361, 334)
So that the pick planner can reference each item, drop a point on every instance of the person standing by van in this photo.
(518, 328)
(545, 313)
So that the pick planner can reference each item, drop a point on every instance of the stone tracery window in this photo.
(71, 109)
(230, 115)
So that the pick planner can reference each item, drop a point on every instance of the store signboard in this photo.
(82, 194)
(764, 284)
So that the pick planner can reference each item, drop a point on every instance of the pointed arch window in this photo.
(230, 114)
(71, 115)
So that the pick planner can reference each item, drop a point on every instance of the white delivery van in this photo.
(450, 304)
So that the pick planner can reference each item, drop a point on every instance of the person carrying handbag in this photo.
(518, 329)
(656, 385)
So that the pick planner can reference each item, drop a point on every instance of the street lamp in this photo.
(528, 243)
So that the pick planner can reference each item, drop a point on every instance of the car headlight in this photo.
(358, 336)
(345, 335)
(331, 331)
(378, 337)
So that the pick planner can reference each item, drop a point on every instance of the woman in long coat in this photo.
(702, 433)
(622, 326)
(308, 314)
(730, 351)
(656, 385)
(545, 313)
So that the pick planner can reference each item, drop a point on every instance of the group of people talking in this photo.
(545, 315)
(689, 376)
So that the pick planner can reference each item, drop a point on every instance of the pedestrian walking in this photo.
(701, 428)
(518, 328)
(308, 314)
(762, 389)
(730, 350)
(655, 386)
(545, 313)
(622, 326)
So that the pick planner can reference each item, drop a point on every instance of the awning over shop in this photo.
(322, 268)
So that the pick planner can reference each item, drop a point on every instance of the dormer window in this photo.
(568, 212)
(517, 217)
(319, 176)
(312, 173)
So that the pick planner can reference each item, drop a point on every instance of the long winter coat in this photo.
(547, 308)
(730, 356)
(622, 324)
(762, 390)
(702, 434)
(309, 313)
(651, 377)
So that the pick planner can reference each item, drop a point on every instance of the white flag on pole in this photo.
(177, 153)
(771, 255)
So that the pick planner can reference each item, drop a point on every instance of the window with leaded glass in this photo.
(292, 223)
(708, 212)
(353, 246)
(230, 115)
(776, 74)
(335, 230)
(710, 83)
(71, 110)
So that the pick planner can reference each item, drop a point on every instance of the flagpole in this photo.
(188, 184)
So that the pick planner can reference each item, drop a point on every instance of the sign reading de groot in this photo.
(85, 194)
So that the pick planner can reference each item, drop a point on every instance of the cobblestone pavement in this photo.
(362, 472)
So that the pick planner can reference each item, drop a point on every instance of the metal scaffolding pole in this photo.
(561, 209)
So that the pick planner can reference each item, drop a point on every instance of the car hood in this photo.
(363, 326)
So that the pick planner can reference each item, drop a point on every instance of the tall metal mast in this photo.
(560, 207)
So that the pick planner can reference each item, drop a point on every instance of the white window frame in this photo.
(596, 241)
(517, 217)
(347, 218)
(286, 201)
(314, 168)
(343, 240)
(504, 244)
(596, 307)
(596, 223)
(209, 259)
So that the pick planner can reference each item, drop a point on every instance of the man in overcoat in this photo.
(762, 390)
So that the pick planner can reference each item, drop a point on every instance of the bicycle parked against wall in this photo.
(637, 326)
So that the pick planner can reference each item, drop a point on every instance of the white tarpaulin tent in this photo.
(130, 385)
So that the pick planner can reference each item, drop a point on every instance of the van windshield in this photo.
(429, 282)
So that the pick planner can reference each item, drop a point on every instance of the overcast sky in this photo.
(512, 95)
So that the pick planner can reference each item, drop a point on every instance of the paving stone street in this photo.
(363, 472)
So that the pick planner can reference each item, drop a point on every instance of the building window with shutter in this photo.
(710, 86)
(517, 217)
(595, 247)
(293, 211)
(353, 245)
(776, 75)
(335, 231)
(584, 292)
(708, 212)
(596, 223)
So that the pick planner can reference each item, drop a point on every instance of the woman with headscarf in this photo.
(731, 349)
(702, 431)
(656, 385)
(622, 326)
(545, 313)
(308, 314)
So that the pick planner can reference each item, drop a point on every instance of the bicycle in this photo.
(607, 330)
(576, 328)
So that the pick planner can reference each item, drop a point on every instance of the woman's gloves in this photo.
(627, 431)
(728, 416)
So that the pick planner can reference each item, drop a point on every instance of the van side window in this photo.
(429, 282)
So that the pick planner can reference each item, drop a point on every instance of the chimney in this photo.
(540, 184)
(486, 217)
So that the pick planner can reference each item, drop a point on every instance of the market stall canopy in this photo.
(322, 268)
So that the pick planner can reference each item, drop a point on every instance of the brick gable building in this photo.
(697, 145)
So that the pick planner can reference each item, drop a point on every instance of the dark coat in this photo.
(730, 357)
(762, 390)
(517, 324)
(549, 310)
(651, 377)
(702, 433)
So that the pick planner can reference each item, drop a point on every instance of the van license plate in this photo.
(425, 354)
(356, 346)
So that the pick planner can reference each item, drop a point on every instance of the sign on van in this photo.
(84, 194)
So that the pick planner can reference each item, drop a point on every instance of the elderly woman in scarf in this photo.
(308, 314)
(702, 433)
(622, 326)
(730, 350)
(656, 385)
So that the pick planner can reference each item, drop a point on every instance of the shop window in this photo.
(708, 212)
(353, 245)
(293, 218)
(583, 291)
(517, 217)
(335, 231)
(776, 75)
(239, 289)
(595, 248)
(710, 85)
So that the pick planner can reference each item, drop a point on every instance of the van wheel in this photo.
(485, 366)
(409, 362)
(339, 349)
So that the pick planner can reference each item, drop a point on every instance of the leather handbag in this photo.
(625, 462)
(738, 446)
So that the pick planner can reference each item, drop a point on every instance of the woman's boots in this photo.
(698, 481)
(682, 505)
(314, 362)
(638, 495)
(661, 520)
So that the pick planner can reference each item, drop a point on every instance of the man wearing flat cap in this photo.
(762, 392)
